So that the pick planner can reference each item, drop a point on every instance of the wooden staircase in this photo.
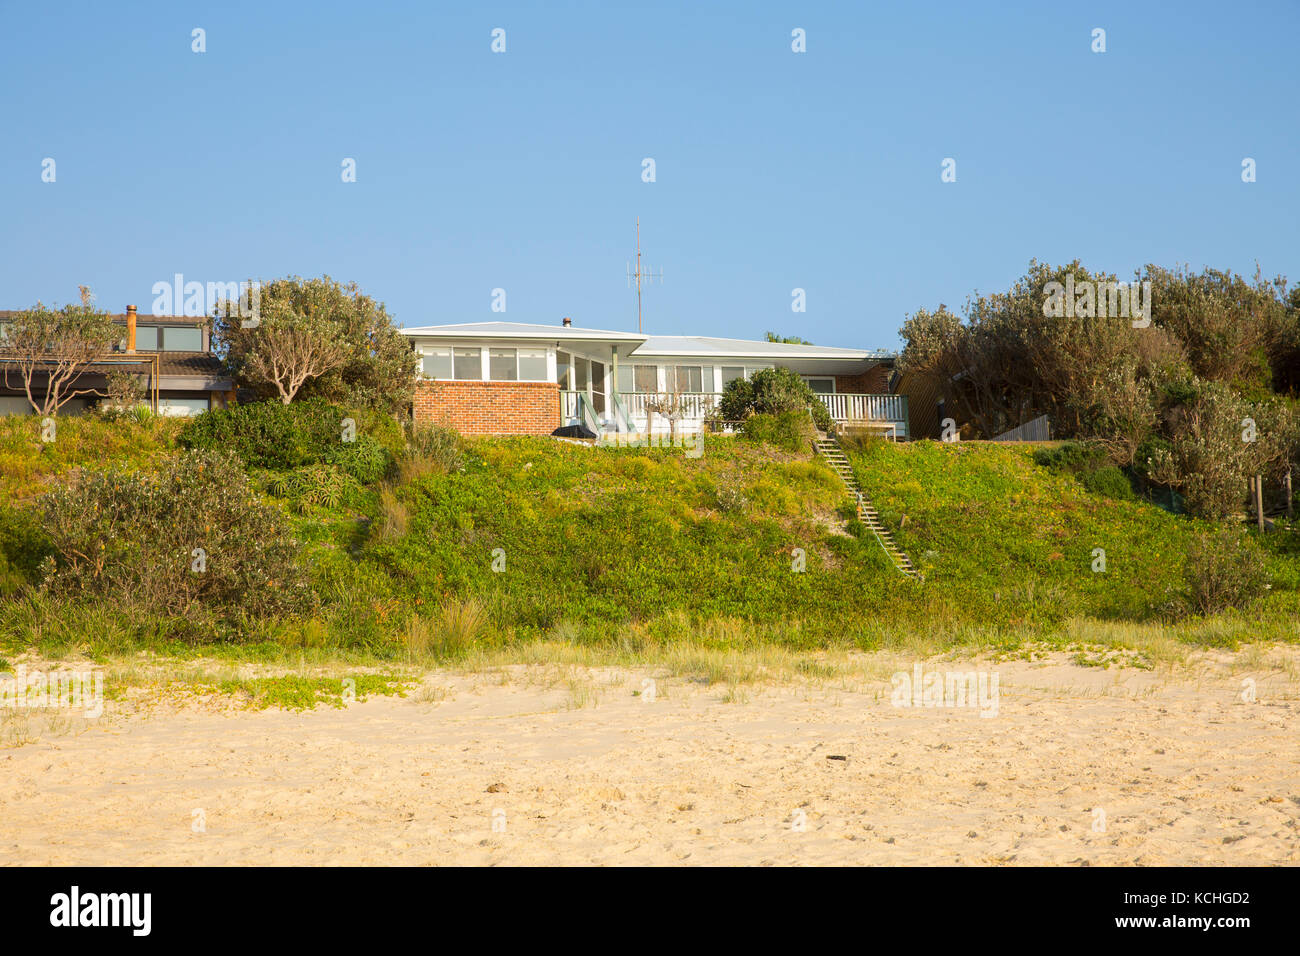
(829, 448)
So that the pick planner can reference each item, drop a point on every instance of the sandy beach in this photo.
(1080, 765)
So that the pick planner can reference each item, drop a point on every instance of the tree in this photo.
(1014, 358)
(786, 340)
(58, 347)
(288, 349)
(1229, 327)
(343, 340)
(1216, 442)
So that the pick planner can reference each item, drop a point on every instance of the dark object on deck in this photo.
(836, 757)
(574, 431)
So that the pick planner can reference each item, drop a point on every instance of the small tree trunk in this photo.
(1290, 510)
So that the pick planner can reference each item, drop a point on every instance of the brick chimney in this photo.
(130, 328)
(568, 322)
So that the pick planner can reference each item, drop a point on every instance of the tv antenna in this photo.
(641, 276)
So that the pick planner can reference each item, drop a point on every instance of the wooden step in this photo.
(830, 450)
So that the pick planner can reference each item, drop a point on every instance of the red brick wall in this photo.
(490, 408)
(874, 381)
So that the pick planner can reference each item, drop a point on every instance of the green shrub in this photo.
(1072, 458)
(364, 460)
(435, 446)
(1089, 463)
(23, 546)
(280, 437)
(1110, 482)
(771, 391)
(321, 486)
(1225, 569)
(186, 539)
(791, 430)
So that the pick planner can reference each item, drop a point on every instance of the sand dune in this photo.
(1183, 769)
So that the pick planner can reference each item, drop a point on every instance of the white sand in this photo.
(1184, 770)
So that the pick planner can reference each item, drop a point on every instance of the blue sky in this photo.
(523, 170)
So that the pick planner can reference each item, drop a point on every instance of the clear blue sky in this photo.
(522, 170)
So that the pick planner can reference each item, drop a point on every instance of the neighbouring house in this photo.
(171, 355)
(512, 378)
(926, 406)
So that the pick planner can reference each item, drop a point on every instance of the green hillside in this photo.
(532, 538)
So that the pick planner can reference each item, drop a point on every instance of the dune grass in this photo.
(533, 550)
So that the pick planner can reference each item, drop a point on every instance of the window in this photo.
(532, 365)
(732, 372)
(187, 338)
(646, 378)
(563, 365)
(822, 386)
(503, 366)
(638, 378)
(182, 407)
(685, 378)
(581, 374)
(468, 364)
(437, 363)
(168, 338)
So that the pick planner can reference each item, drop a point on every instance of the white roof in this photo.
(519, 330)
(704, 345)
(647, 345)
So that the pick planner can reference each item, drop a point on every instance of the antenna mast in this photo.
(639, 275)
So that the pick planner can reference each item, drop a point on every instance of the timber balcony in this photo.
(628, 411)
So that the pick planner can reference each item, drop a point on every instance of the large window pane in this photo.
(581, 374)
(647, 378)
(732, 372)
(469, 365)
(179, 339)
(823, 386)
(182, 407)
(437, 363)
(688, 378)
(502, 365)
(146, 338)
(532, 365)
(563, 365)
(625, 381)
